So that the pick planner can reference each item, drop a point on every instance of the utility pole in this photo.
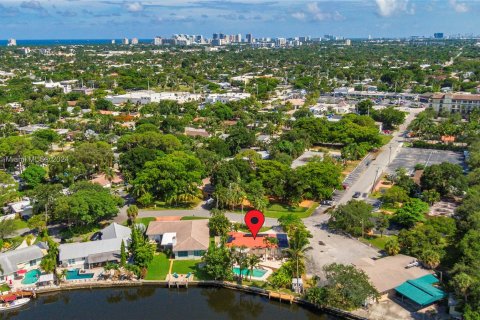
(374, 180)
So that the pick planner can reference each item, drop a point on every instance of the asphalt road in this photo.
(366, 179)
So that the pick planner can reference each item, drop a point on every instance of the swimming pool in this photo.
(257, 273)
(76, 275)
(31, 276)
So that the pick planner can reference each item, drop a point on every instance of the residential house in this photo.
(95, 253)
(22, 209)
(17, 261)
(102, 180)
(188, 239)
(259, 245)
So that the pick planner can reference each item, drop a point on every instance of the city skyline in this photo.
(66, 19)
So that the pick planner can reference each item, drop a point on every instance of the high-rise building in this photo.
(12, 42)
(215, 36)
(157, 41)
(134, 40)
(238, 38)
(113, 41)
(249, 38)
(125, 41)
(348, 42)
(280, 42)
(438, 35)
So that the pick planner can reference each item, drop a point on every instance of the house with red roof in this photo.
(264, 245)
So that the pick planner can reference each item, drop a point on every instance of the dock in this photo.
(281, 296)
(180, 280)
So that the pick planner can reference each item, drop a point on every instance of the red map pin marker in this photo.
(254, 220)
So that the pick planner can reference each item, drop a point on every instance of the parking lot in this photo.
(408, 157)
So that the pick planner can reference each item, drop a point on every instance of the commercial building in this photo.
(249, 38)
(147, 96)
(420, 292)
(11, 43)
(226, 97)
(453, 102)
(188, 239)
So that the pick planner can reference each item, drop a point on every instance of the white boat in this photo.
(5, 306)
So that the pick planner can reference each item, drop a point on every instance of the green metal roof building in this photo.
(421, 291)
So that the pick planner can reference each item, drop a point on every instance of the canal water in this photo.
(150, 302)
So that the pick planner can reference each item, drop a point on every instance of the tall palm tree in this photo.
(252, 261)
(298, 247)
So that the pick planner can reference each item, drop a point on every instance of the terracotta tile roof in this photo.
(168, 218)
(239, 239)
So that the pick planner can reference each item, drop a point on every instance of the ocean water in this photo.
(68, 42)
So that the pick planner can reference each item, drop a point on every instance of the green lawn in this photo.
(186, 266)
(158, 268)
(386, 139)
(145, 221)
(4, 287)
(277, 210)
(193, 218)
(20, 224)
(160, 205)
(377, 241)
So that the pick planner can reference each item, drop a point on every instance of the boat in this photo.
(13, 304)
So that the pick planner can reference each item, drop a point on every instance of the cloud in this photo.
(387, 8)
(314, 13)
(299, 15)
(134, 7)
(459, 7)
(67, 13)
(32, 5)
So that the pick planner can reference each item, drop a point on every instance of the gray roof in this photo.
(84, 249)
(191, 234)
(9, 260)
(115, 231)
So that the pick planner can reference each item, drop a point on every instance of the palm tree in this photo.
(132, 213)
(392, 247)
(241, 260)
(269, 242)
(298, 248)
(252, 261)
(109, 174)
(62, 275)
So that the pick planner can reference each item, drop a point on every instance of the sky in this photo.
(109, 19)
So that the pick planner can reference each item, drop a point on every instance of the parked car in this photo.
(357, 194)
(96, 236)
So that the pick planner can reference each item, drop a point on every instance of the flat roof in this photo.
(389, 272)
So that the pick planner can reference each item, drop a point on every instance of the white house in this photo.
(21, 259)
(22, 209)
(94, 253)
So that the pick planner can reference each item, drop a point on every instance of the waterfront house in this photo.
(188, 239)
(260, 245)
(95, 253)
(18, 261)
